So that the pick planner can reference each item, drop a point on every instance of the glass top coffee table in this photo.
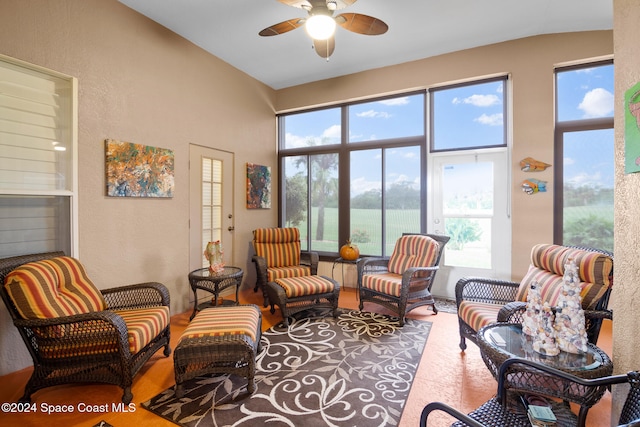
(501, 341)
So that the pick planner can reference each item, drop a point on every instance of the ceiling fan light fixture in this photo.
(320, 27)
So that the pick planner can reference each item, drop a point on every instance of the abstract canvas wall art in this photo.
(135, 170)
(258, 186)
(632, 129)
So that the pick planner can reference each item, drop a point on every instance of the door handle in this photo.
(231, 228)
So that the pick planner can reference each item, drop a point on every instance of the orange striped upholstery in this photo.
(143, 325)
(307, 285)
(413, 251)
(51, 288)
(386, 283)
(283, 272)
(478, 314)
(280, 247)
(222, 321)
(547, 268)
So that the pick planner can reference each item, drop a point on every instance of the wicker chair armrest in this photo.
(482, 289)
(310, 259)
(371, 265)
(512, 312)
(140, 295)
(439, 406)
(415, 272)
(261, 265)
(91, 328)
(598, 314)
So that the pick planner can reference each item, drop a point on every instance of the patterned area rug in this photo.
(446, 305)
(356, 370)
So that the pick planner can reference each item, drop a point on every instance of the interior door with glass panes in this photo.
(470, 204)
(211, 203)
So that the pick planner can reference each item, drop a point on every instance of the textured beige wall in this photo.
(139, 82)
(626, 292)
(530, 62)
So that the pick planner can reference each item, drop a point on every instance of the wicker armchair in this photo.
(482, 301)
(504, 410)
(278, 256)
(76, 333)
(402, 282)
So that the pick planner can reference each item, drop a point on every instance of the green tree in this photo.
(591, 231)
(402, 195)
(296, 199)
(371, 199)
(462, 231)
(324, 186)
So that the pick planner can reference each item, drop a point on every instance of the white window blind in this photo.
(37, 159)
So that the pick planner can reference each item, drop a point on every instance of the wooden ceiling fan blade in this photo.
(325, 48)
(341, 4)
(282, 27)
(361, 24)
(300, 4)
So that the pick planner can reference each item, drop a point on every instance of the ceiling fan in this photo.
(321, 24)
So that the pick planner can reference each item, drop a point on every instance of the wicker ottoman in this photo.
(219, 340)
(294, 294)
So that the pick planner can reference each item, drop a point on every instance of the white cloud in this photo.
(583, 179)
(478, 100)
(361, 185)
(332, 132)
(491, 120)
(597, 102)
(395, 101)
(568, 161)
(374, 114)
(294, 141)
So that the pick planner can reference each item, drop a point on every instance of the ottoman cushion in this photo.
(224, 321)
(306, 285)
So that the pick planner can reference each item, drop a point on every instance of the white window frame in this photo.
(71, 188)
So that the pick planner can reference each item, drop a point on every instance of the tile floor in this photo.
(445, 374)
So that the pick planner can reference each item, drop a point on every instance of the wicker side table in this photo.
(501, 341)
(214, 283)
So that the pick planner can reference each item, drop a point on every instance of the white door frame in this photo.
(501, 222)
(196, 153)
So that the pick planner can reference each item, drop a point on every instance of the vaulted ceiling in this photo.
(418, 29)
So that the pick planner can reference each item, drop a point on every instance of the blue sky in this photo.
(464, 116)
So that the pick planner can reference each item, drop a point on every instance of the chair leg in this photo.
(463, 343)
(127, 396)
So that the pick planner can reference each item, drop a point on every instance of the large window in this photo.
(38, 186)
(358, 171)
(584, 156)
(469, 116)
(354, 172)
